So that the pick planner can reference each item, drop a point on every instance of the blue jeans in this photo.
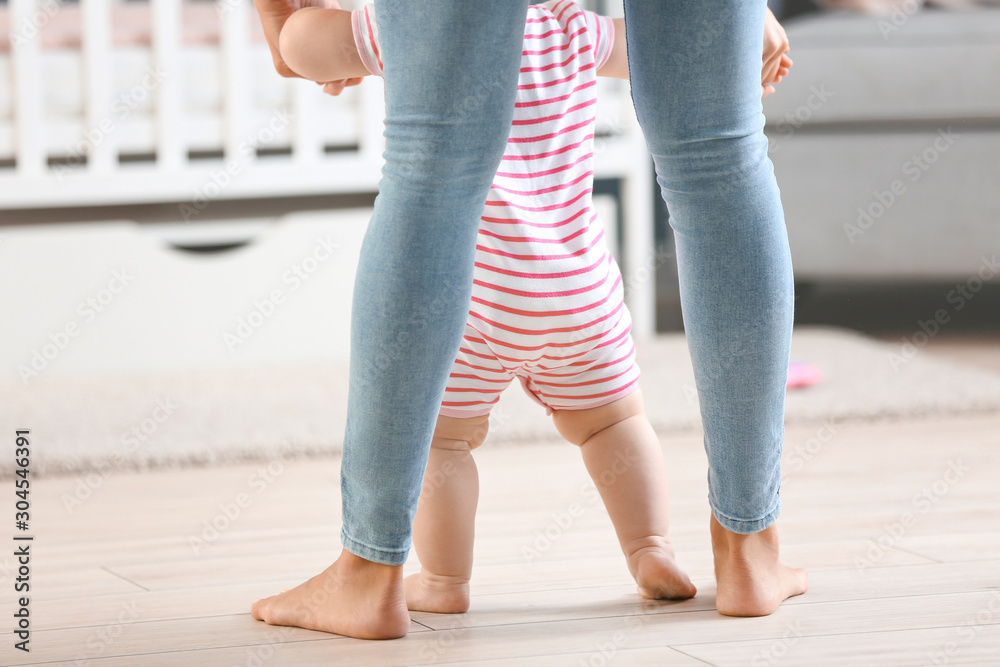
(695, 70)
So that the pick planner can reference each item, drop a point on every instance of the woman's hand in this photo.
(783, 67)
(273, 14)
(776, 63)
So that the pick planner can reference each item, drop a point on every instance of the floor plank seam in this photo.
(836, 634)
(914, 553)
(802, 600)
(465, 661)
(115, 574)
(100, 659)
(904, 565)
(798, 602)
(563, 607)
(574, 620)
(483, 596)
(158, 620)
(701, 660)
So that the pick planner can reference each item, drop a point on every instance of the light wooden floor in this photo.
(116, 581)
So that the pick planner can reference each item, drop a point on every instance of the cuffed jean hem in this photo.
(374, 554)
(741, 527)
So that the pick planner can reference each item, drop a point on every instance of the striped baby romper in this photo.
(547, 299)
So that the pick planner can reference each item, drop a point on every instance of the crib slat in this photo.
(98, 77)
(171, 146)
(307, 146)
(235, 84)
(639, 251)
(371, 120)
(26, 17)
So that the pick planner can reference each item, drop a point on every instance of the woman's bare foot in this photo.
(353, 597)
(751, 581)
(436, 594)
(656, 573)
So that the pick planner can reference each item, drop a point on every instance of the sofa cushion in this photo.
(931, 65)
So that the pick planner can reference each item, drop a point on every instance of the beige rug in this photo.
(149, 421)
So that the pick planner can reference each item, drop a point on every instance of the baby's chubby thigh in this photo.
(578, 426)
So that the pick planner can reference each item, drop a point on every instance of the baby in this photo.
(547, 300)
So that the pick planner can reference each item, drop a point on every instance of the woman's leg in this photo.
(450, 79)
(695, 70)
(450, 76)
(444, 529)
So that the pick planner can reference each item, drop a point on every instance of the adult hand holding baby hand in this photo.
(273, 14)
(776, 61)
(783, 68)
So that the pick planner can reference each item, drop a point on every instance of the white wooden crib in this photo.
(173, 101)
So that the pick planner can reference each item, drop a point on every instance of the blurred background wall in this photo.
(155, 136)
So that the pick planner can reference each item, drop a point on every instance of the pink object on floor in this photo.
(801, 374)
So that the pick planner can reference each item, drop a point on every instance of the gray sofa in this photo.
(885, 140)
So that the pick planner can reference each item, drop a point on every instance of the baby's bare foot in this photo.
(751, 580)
(656, 573)
(437, 594)
(352, 597)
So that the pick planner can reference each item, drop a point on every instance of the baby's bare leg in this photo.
(444, 527)
(623, 457)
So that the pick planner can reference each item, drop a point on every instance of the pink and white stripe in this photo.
(547, 301)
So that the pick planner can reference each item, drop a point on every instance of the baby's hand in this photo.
(337, 87)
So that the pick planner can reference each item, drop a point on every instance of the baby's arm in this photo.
(318, 44)
(617, 63)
